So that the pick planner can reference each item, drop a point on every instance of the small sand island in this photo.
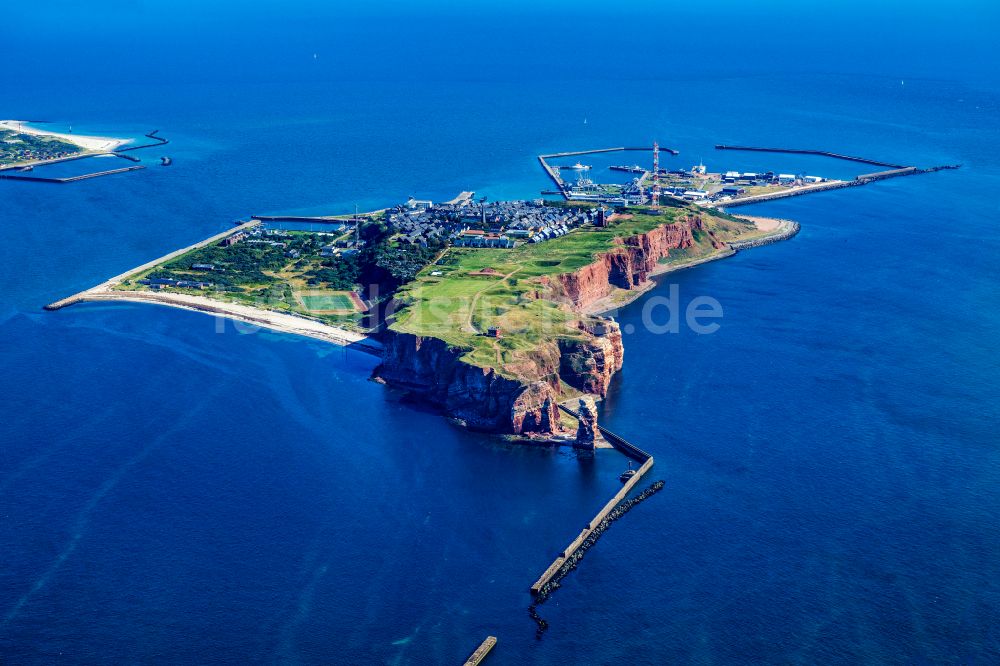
(26, 153)
(22, 145)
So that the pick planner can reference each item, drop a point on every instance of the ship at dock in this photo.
(635, 168)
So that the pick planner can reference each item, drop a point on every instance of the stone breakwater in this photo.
(791, 228)
(574, 559)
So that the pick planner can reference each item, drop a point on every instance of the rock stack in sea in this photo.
(586, 431)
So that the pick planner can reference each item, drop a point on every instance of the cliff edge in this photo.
(496, 338)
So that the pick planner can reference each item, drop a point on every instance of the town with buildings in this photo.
(497, 224)
(21, 147)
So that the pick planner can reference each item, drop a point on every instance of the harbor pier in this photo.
(553, 172)
(70, 179)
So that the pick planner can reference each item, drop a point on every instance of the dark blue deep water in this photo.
(173, 490)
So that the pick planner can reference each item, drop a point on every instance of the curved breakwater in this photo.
(790, 230)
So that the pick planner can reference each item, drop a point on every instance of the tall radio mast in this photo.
(656, 175)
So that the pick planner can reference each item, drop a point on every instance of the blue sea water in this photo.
(174, 489)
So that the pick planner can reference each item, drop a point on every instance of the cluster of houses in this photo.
(15, 150)
(259, 235)
(278, 238)
(499, 224)
(160, 283)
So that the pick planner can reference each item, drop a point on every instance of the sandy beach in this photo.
(96, 144)
(297, 325)
(763, 223)
(269, 319)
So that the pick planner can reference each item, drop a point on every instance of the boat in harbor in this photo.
(627, 474)
(577, 167)
(635, 168)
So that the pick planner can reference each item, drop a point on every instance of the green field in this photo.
(328, 302)
(459, 308)
(266, 276)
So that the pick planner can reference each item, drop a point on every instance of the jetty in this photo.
(116, 280)
(829, 185)
(156, 141)
(568, 553)
(69, 179)
(480, 653)
(58, 160)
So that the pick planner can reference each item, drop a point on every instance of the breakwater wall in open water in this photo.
(18, 173)
(69, 179)
(821, 153)
(614, 509)
(570, 562)
(157, 141)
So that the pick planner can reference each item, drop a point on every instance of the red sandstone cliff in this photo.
(629, 264)
(586, 359)
(480, 397)
(589, 363)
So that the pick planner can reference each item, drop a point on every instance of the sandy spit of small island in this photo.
(97, 144)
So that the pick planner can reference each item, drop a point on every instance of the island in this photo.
(27, 152)
(22, 145)
(492, 311)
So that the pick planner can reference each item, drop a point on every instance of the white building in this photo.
(419, 204)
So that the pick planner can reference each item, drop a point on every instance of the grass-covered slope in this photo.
(481, 288)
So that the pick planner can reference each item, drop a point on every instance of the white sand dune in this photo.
(91, 143)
